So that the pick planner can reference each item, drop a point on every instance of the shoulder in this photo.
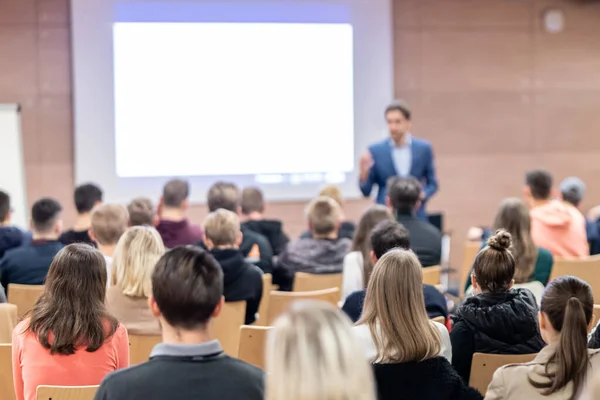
(381, 145)
(545, 255)
(418, 142)
(253, 271)
(244, 369)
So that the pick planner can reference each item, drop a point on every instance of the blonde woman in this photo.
(311, 355)
(410, 353)
(134, 259)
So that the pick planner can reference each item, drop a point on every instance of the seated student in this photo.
(242, 280)
(253, 208)
(555, 226)
(142, 212)
(346, 228)
(410, 352)
(86, 197)
(10, 236)
(404, 196)
(572, 191)
(28, 265)
(388, 235)
(174, 228)
(498, 319)
(358, 263)
(565, 367)
(255, 247)
(311, 354)
(187, 293)
(323, 253)
(134, 260)
(69, 338)
(108, 223)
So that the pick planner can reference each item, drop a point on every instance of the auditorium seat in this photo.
(484, 366)
(226, 327)
(24, 297)
(252, 344)
(263, 309)
(280, 301)
(304, 282)
(66, 392)
(587, 269)
(8, 321)
(7, 391)
(432, 275)
(140, 347)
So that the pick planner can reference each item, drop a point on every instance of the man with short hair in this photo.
(29, 264)
(187, 293)
(142, 212)
(253, 209)
(243, 281)
(555, 226)
(323, 253)
(10, 236)
(572, 191)
(254, 246)
(404, 197)
(109, 222)
(86, 197)
(174, 228)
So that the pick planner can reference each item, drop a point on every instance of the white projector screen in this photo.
(284, 95)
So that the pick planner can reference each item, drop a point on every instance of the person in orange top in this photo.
(555, 226)
(69, 338)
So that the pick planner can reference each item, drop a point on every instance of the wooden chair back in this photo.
(304, 282)
(280, 301)
(253, 341)
(24, 296)
(484, 366)
(263, 308)
(140, 347)
(8, 321)
(7, 388)
(432, 275)
(226, 327)
(587, 269)
(471, 250)
(66, 392)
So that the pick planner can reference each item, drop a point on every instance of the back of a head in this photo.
(404, 194)
(44, 215)
(141, 212)
(394, 307)
(252, 200)
(222, 228)
(135, 257)
(540, 184)
(568, 305)
(311, 354)
(187, 285)
(72, 306)
(224, 195)
(4, 206)
(324, 215)
(175, 192)
(388, 235)
(334, 192)
(108, 223)
(494, 266)
(86, 197)
(572, 190)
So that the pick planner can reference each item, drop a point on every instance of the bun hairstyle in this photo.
(494, 266)
(568, 303)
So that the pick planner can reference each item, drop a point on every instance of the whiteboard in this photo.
(12, 169)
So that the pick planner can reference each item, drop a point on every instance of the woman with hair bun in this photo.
(498, 319)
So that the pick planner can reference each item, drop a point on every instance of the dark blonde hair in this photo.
(494, 266)
(323, 214)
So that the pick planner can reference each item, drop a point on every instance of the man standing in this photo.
(399, 155)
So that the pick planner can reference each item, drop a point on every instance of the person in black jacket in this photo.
(497, 320)
(242, 280)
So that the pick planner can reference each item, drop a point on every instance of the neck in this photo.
(539, 202)
(225, 247)
(6, 222)
(107, 250)
(44, 236)
(332, 235)
(83, 222)
(405, 211)
(401, 140)
(253, 216)
(172, 214)
(173, 335)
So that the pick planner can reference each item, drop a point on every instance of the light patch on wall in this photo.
(554, 21)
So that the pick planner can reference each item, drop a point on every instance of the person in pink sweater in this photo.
(555, 226)
(69, 338)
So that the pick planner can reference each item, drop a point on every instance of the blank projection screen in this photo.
(280, 94)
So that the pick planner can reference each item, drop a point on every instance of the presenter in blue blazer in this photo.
(399, 155)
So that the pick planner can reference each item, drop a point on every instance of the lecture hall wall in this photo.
(494, 93)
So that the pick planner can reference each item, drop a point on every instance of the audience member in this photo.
(404, 196)
(69, 339)
(86, 197)
(322, 254)
(346, 228)
(534, 264)
(142, 212)
(311, 354)
(388, 235)
(134, 260)
(358, 264)
(554, 225)
(10, 236)
(108, 223)
(572, 191)
(174, 228)
(565, 366)
(253, 207)
(28, 264)
(498, 319)
(187, 292)
(255, 247)
(242, 281)
(406, 348)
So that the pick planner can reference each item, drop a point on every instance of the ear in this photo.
(373, 257)
(512, 283)
(92, 236)
(58, 227)
(542, 321)
(217, 311)
(155, 220)
(185, 204)
(97, 203)
(239, 239)
(474, 283)
(153, 307)
(388, 202)
(207, 242)
(31, 225)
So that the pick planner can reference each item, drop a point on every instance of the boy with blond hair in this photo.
(346, 228)
(108, 223)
